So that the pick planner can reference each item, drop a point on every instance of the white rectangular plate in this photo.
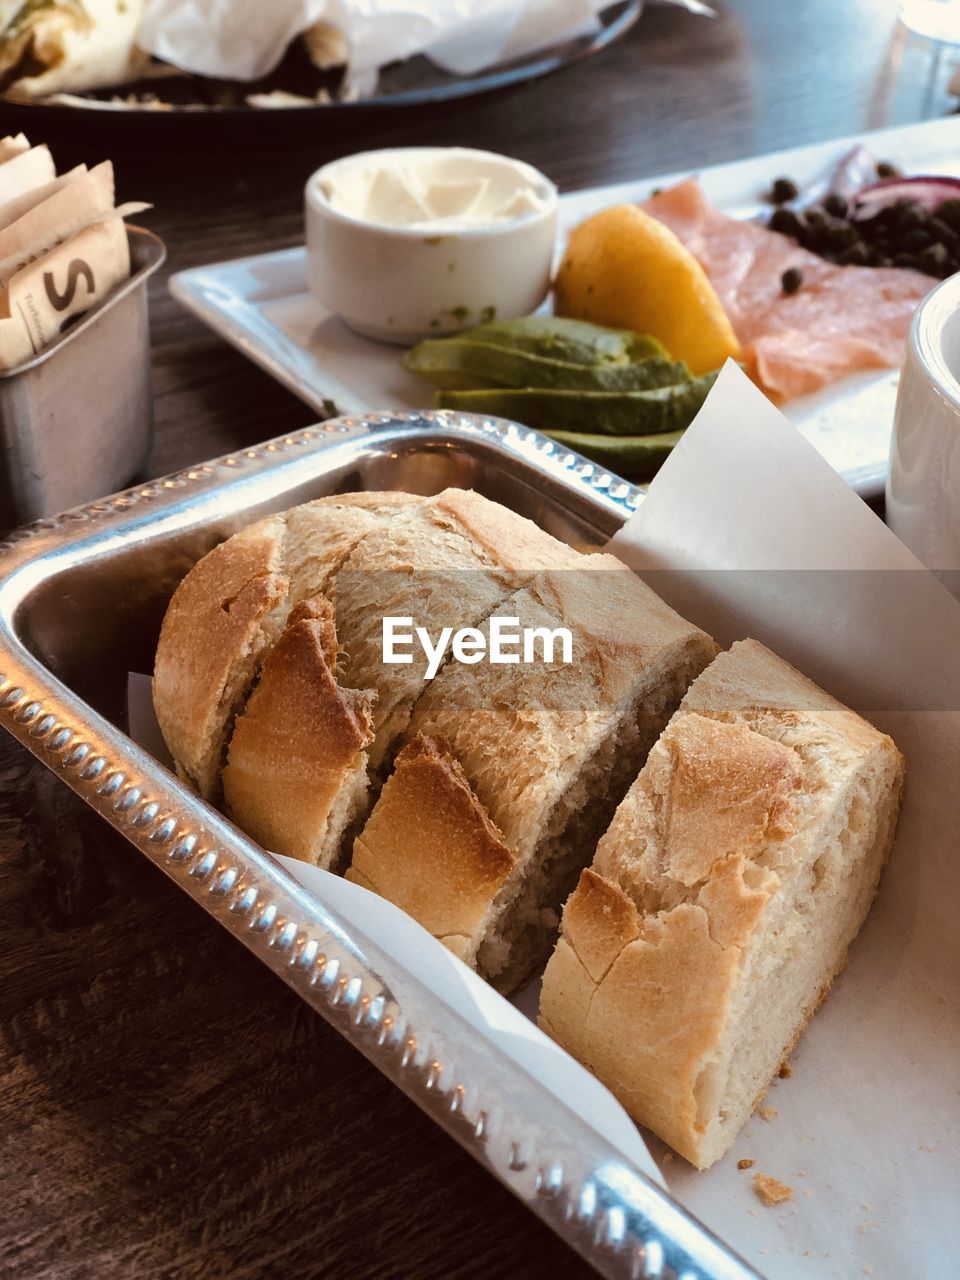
(261, 305)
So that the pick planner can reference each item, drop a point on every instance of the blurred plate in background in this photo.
(197, 109)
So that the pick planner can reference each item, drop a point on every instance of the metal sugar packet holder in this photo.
(77, 419)
(81, 597)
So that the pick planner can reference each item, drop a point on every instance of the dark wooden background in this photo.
(167, 1108)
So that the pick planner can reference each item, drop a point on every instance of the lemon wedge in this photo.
(626, 269)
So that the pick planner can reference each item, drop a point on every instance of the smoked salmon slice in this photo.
(841, 320)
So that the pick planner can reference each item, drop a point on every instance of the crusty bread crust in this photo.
(725, 790)
(521, 731)
(746, 854)
(430, 847)
(501, 536)
(449, 562)
(210, 646)
(299, 745)
(549, 747)
(231, 607)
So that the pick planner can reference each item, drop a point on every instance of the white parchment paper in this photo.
(749, 532)
(867, 1129)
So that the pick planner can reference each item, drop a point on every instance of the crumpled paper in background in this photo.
(245, 39)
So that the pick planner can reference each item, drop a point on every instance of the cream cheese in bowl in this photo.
(417, 241)
(444, 187)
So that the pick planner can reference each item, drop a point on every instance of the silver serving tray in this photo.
(81, 600)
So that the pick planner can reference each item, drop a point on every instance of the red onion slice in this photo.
(855, 171)
(927, 191)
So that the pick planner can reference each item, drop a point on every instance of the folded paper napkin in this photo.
(63, 246)
(245, 39)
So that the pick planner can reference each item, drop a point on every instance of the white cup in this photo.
(402, 283)
(923, 486)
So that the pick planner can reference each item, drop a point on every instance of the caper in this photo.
(933, 259)
(918, 238)
(856, 255)
(942, 232)
(787, 222)
(909, 214)
(903, 233)
(887, 217)
(949, 212)
(876, 233)
(841, 236)
(783, 189)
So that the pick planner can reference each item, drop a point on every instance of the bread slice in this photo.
(723, 898)
(447, 562)
(549, 748)
(232, 606)
(296, 774)
(461, 861)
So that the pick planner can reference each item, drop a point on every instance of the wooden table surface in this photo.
(167, 1108)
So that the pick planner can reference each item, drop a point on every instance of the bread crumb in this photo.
(668, 1157)
(768, 1113)
(746, 1164)
(771, 1190)
(808, 1194)
(786, 1071)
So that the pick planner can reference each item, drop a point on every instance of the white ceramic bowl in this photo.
(923, 486)
(401, 283)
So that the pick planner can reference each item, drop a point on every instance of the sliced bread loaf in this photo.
(723, 898)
